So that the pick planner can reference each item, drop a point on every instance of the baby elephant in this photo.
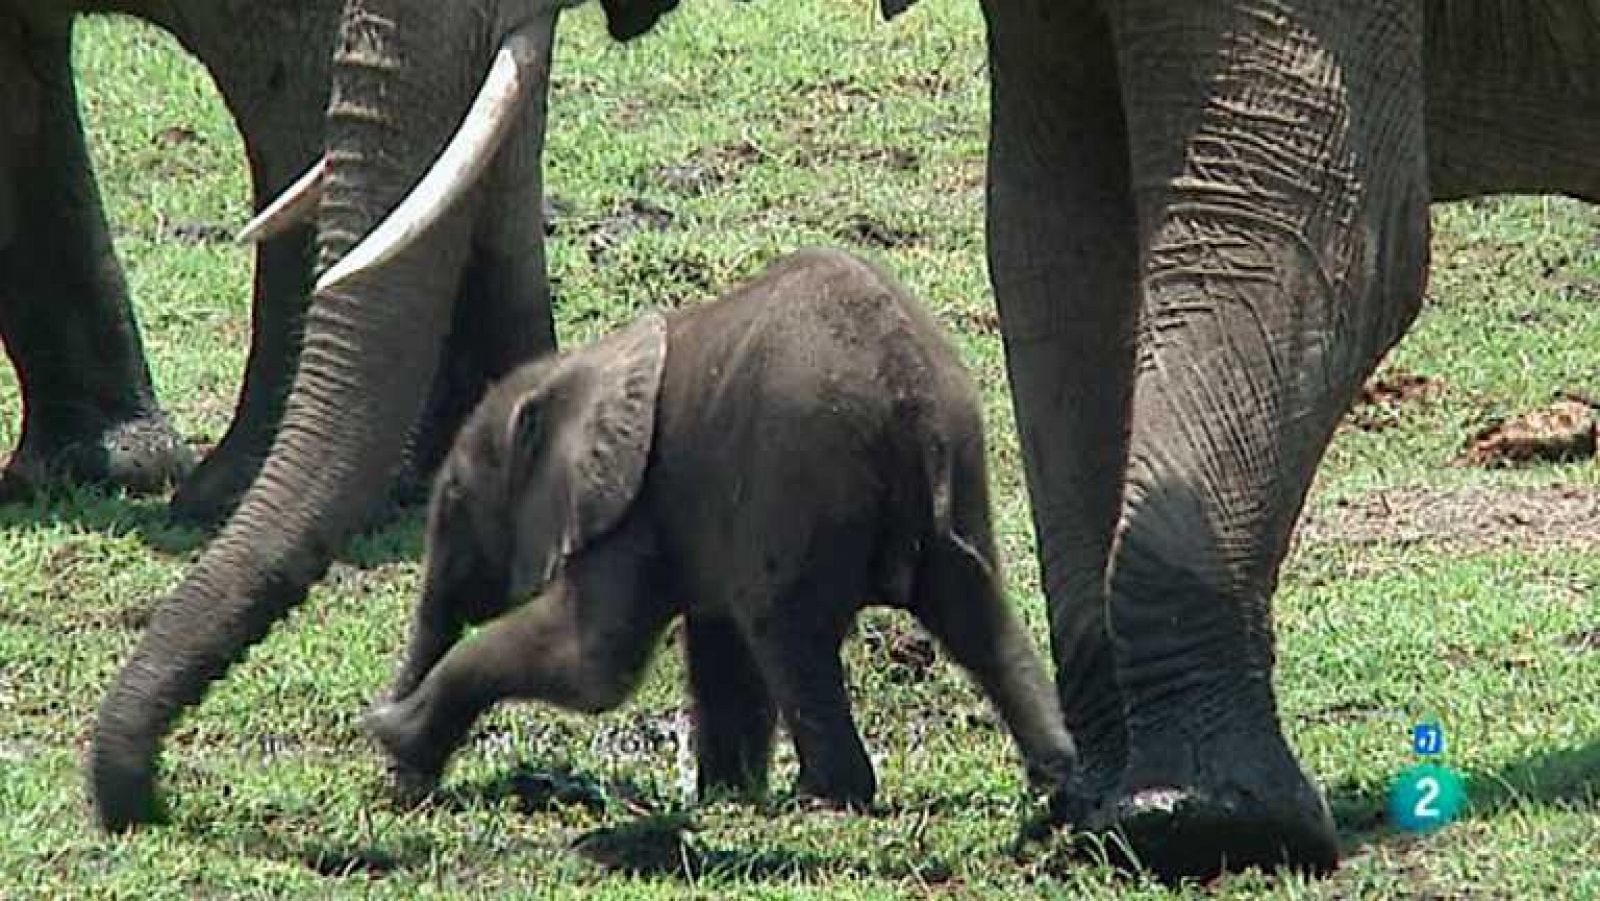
(764, 465)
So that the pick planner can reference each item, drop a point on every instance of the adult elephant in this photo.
(89, 410)
(1206, 224)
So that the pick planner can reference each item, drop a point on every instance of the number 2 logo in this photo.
(1425, 798)
(1424, 810)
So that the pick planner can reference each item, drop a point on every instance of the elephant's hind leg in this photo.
(89, 410)
(797, 646)
(960, 602)
(734, 716)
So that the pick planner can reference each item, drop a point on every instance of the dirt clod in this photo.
(910, 651)
(708, 168)
(1378, 405)
(1587, 641)
(554, 210)
(1563, 431)
(342, 863)
(862, 228)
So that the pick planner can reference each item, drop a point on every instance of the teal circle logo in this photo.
(1426, 798)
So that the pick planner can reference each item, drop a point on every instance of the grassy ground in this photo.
(1418, 590)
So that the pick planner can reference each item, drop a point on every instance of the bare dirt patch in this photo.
(1476, 517)
(708, 169)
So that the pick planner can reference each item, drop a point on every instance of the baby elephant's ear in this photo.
(615, 419)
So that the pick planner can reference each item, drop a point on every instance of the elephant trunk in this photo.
(371, 347)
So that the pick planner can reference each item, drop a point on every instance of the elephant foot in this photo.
(415, 767)
(142, 455)
(1197, 801)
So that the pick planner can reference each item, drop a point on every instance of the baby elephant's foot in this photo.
(415, 767)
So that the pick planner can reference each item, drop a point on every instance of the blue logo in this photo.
(1426, 798)
(1427, 739)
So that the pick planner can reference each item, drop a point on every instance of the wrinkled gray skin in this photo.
(1206, 224)
(765, 465)
(89, 410)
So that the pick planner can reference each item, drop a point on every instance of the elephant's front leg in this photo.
(1282, 195)
(89, 411)
(1062, 241)
(582, 651)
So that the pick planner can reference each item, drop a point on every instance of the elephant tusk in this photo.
(464, 159)
(293, 205)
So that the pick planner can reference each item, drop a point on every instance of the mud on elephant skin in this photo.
(764, 465)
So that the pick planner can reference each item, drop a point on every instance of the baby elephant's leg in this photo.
(435, 629)
(959, 601)
(798, 650)
(734, 715)
(581, 654)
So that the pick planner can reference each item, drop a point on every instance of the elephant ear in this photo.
(579, 448)
(627, 19)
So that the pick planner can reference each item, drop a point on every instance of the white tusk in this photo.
(292, 205)
(464, 159)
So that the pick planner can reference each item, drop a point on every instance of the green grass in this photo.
(813, 114)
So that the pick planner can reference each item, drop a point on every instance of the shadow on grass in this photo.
(343, 860)
(1568, 776)
(661, 840)
(395, 535)
(666, 845)
(537, 790)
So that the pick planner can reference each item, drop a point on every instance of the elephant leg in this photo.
(579, 651)
(797, 647)
(960, 602)
(1281, 183)
(89, 410)
(734, 716)
(272, 68)
(435, 629)
(1061, 245)
(282, 292)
